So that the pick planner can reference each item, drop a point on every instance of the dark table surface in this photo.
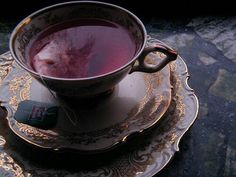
(207, 44)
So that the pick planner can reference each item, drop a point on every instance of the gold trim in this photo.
(14, 101)
(10, 166)
(143, 115)
(19, 88)
(6, 62)
(161, 145)
(25, 92)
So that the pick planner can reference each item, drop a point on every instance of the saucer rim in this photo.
(121, 139)
(174, 147)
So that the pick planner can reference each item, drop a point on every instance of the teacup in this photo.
(87, 86)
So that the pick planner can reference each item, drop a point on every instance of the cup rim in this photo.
(42, 10)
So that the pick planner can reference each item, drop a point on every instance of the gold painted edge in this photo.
(122, 139)
(175, 146)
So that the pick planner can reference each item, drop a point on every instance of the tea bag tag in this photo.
(37, 114)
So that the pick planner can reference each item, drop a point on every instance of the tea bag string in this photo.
(64, 107)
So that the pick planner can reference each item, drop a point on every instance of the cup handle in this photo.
(143, 67)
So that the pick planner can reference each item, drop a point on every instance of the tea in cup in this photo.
(83, 48)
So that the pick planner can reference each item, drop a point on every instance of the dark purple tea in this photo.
(82, 48)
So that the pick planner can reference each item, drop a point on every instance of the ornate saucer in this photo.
(136, 104)
(142, 158)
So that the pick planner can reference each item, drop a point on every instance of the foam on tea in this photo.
(81, 48)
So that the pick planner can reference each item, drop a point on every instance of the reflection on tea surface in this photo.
(81, 48)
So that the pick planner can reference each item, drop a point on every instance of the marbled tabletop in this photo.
(208, 46)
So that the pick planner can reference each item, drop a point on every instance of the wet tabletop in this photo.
(207, 44)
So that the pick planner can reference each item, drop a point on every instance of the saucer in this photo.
(147, 157)
(137, 103)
